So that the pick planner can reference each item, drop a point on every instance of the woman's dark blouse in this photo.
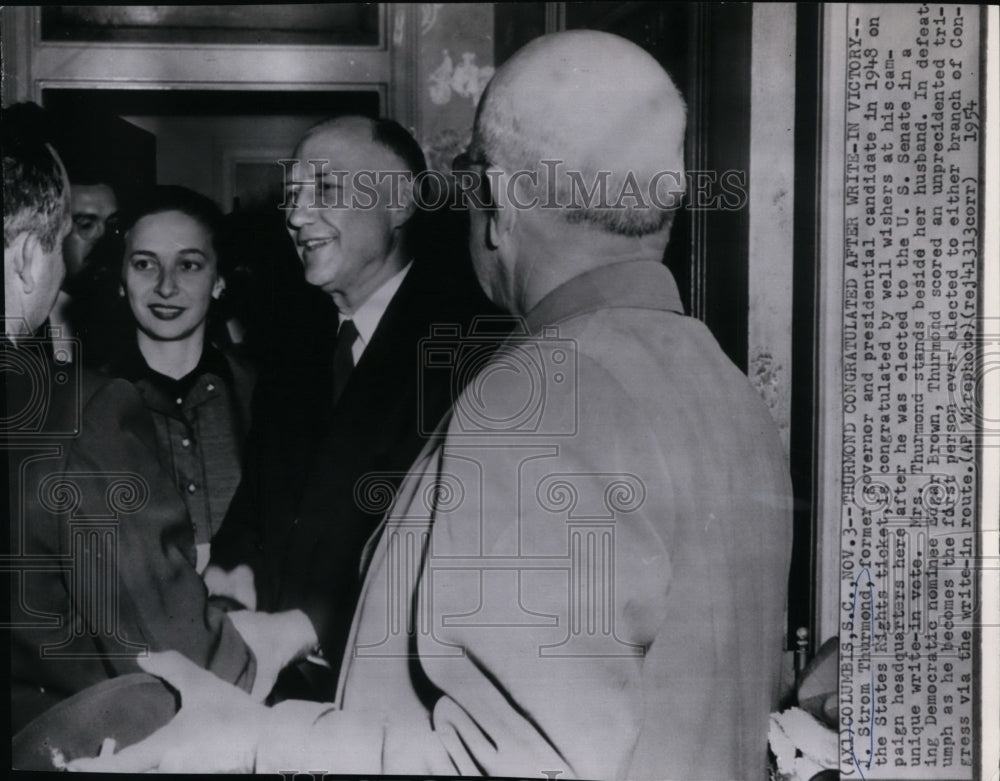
(201, 420)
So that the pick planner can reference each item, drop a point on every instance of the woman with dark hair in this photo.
(199, 394)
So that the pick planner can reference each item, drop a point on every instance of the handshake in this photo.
(219, 726)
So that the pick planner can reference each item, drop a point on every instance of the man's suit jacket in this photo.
(596, 588)
(319, 477)
(101, 556)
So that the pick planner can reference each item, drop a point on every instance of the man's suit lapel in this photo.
(383, 380)
(386, 362)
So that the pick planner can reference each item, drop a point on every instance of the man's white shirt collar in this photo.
(367, 316)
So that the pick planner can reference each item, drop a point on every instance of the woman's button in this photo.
(192, 488)
(185, 442)
(210, 387)
(179, 400)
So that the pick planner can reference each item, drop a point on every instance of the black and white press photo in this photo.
(528, 390)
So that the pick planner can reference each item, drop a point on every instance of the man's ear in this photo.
(503, 215)
(27, 254)
(406, 204)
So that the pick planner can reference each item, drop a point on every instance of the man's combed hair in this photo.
(397, 139)
(35, 195)
(387, 133)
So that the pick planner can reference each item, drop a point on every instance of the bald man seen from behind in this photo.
(584, 574)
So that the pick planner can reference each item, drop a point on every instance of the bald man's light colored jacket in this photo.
(584, 573)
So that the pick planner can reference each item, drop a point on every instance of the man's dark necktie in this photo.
(343, 357)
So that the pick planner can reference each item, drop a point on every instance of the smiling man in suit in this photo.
(344, 406)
